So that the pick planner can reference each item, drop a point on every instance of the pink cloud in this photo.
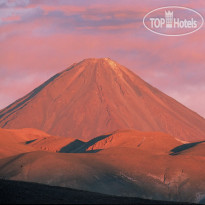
(66, 9)
(12, 18)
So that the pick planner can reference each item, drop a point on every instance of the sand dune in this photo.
(97, 96)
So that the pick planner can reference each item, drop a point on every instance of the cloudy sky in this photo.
(39, 38)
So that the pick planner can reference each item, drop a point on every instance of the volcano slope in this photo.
(97, 96)
(126, 163)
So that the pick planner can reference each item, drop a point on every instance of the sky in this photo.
(39, 38)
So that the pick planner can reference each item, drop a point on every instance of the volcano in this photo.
(98, 96)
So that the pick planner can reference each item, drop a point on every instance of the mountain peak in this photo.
(96, 96)
(111, 62)
(97, 59)
(103, 63)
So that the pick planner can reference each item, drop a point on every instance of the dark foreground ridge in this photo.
(16, 192)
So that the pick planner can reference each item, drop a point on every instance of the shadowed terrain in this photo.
(186, 147)
(123, 163)
(15, 192)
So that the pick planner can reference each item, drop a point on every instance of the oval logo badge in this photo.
(173, 21)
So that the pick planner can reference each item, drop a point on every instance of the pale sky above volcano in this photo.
(39, 38)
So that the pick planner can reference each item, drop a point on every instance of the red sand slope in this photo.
(147, 141)
(18, 141)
